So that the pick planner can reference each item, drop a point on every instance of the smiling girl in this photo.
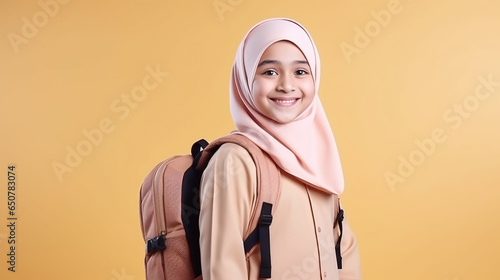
(274, 102)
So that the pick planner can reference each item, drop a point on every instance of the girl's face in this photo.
(283, 86)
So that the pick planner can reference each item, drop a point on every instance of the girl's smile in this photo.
(285, 101)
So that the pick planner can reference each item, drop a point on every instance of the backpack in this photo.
(169, 210)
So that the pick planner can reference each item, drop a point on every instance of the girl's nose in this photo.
(286, 84)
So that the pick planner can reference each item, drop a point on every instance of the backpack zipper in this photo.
(158, 200)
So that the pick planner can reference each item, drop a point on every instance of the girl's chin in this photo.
(282, 119)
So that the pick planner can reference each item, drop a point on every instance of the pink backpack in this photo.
(169, 204)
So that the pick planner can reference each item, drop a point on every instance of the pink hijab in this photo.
(305, 147)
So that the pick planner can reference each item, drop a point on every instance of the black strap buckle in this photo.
(266, 220)
(156, 244)
(340, 216)
(338, 251)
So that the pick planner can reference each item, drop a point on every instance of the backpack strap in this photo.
(268, 192)
(190, 212)
(261, 234)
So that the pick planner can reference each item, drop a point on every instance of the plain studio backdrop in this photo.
(93, 94)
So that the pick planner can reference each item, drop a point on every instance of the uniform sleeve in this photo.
(351, 268)
(228, 191)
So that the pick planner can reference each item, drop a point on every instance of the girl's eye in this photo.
(270, 73)
(301, 72)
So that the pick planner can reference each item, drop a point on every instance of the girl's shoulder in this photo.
(233, 149)
(231, 155)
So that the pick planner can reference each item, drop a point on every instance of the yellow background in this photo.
(441, 222)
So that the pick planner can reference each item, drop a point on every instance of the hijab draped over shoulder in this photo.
(304, 147)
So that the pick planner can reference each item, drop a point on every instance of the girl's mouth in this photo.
(285, 102)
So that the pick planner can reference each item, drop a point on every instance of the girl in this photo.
(274, 102)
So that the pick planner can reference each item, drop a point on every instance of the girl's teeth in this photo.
(285, 101)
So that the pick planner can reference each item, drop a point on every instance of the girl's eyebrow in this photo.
(268, 61)
(272, 61)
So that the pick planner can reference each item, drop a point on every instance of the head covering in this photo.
(304, 147)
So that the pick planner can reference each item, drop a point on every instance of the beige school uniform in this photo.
(302, 232)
